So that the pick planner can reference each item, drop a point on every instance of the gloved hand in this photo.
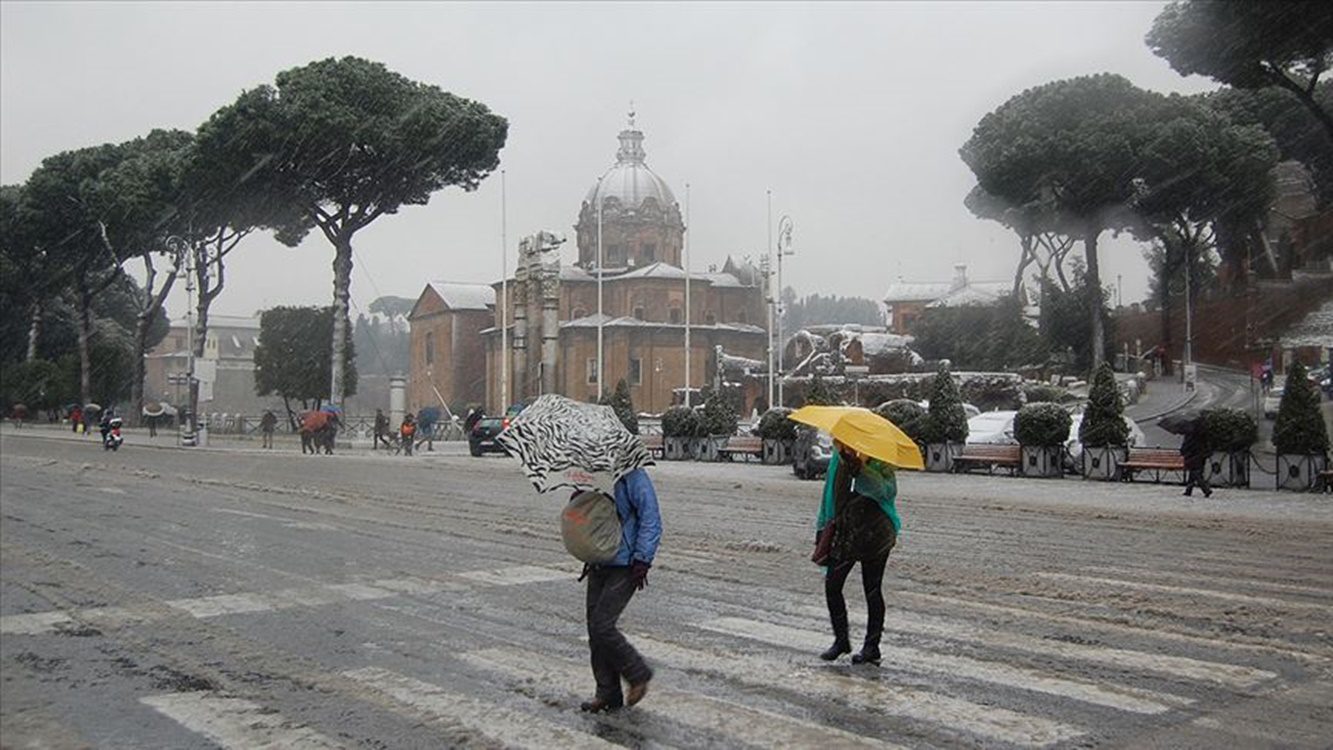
(638, 574)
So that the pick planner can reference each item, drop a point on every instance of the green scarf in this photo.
(877, 481)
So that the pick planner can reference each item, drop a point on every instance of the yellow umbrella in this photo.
(865, 432)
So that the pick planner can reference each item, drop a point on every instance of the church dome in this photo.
(630, 181)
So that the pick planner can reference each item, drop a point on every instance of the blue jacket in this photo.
(640, 522)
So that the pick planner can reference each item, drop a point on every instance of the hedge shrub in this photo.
(1042, 425)
(774, 425)
(680, 422)
(1229, 430)
(908, 415)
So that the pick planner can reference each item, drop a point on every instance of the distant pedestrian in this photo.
(76, 419)
(1194, 449)
(152, 426)
(267, 425)
(407, 432)
(610, 586)
(857, 523)
(426, 426)
(381, 431)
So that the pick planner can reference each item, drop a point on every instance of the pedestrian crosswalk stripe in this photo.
(916, 623)
(916, 660)
(1322, 592)
(988, 722)
(314, 596)
(516, 575)
(515, 729)
(34, 623)
(1187, 591)
(237, 723)
(741, 725)
(1073, 617)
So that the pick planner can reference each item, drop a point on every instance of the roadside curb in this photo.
(1174, 406)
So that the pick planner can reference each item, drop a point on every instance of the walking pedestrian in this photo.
(152, 426)
(406, 432)
(857, 523)
(381, 431)
(426, 419)
(267, 425)
(610, 587)
(1194, 449)
(76, 419)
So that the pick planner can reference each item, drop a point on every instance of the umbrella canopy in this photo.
(565, 443)
(158, 409)
(331, 409)
(429, 414)
(92, 407)
(865, 432)
(314, 421)
(1182, 422)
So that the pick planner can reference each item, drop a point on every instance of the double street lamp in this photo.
(782, 248)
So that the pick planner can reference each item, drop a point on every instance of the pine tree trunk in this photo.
(140, 368)
(85, 334)
(34, 330)
(200, 334)
(1094, 283)
(342, 281)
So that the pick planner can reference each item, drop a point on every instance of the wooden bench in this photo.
(744, 446)
(1159, 461)
(988, 456)
(654, 445)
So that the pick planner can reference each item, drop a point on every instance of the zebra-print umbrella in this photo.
(565, 443)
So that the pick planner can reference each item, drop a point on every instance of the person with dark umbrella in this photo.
(1193, 447)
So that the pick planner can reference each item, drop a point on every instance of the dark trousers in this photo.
(267, 436)
(872, 576)
(1195, 478)
(613, 658)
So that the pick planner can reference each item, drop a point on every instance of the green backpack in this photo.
(590, 527)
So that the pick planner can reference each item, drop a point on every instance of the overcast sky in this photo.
(852, 114)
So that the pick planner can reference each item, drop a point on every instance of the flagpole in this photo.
(600, 316)
(687, 294)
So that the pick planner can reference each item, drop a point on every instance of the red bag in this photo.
(823, 545)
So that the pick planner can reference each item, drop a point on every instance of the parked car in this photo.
(1274, 398)
(811, 453)
(482, 438)
(992, 427)
(1074, 449)
(968, 409)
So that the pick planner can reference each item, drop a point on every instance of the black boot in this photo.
(840, 646)
(869, 654)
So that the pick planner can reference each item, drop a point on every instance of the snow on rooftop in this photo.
(464, 296)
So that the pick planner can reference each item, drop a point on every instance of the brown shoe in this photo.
(636, 693)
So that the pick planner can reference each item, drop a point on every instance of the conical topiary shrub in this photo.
(1103, 431)
(680, 428)
(945, 428)
(1299, 435)
(718, 422)
(908, 415)
(778, 434)
(623, 404)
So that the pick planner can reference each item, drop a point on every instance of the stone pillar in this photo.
(397, 400)
(520, 338)
(550, 324)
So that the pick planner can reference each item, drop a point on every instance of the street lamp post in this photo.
(504, 300)
(783, 248)
(772, 299)
(600, 316)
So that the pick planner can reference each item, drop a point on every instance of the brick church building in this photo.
(552, 317)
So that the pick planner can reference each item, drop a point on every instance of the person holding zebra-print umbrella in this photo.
(611, 523)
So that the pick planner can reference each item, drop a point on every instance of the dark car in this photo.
(811, 453)
(481, 439)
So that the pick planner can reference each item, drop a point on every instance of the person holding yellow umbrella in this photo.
(858, 520)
